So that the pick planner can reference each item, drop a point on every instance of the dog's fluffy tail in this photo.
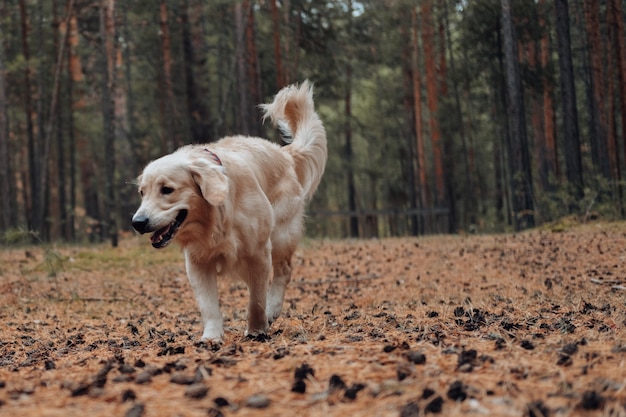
(294, 113)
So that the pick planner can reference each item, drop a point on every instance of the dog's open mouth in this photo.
(163, 236)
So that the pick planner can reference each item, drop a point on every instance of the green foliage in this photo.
(53, 262)
(18, 236)
(362, 47)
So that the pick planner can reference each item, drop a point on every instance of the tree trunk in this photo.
(169, 141)
(107, 35)
(422, 183)
(571, 139)
(75, 76)
(253, 69)
(278, 62)
(448, 222)
(40, 209)
(519, 160)
(536, 119)
(130, 122)
(616, 22)
(616, 30)
(348, 154)
(244, 107)
(470, 195)
(428, 40)
(33, 148)
(600, 152)
(197, 112)
(550, 168)
(6, 182)
(52, 117)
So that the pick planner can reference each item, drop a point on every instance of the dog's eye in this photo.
(167, 190)
(141, 193)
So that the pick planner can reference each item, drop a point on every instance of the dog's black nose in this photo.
(140, 223)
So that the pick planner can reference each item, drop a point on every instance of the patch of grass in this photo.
(107, 257)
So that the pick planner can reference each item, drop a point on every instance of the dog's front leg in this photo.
(203, 280)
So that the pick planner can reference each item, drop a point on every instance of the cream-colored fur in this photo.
(236, 208)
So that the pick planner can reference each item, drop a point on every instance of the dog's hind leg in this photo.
(203, 280)
(276, 293)
(256, 274)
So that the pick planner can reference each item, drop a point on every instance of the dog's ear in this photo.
(211, 179)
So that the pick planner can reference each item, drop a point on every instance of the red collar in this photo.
(214, 156)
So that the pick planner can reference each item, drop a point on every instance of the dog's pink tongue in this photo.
(158, 236)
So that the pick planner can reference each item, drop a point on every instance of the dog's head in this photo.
(175, 193)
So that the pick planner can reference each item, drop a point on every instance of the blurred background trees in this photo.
(442, 115)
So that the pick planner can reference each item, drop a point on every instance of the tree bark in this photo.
(33, 148)
(243, 118)
(550, 168)
(348, 155)
(253, 68)
(422, 183)
(519, 159)
(52, 117)
(75, 76)
(107, 34)
(278, 62)
(616, 23)
(428, 40)
(600, 152)
(169, 141)
(7, 204)
(470, 196)
(571, 139)
(197, 112)
(615, 72)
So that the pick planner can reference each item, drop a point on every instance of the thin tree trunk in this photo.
(448, 165)
(422, 183)
(551, 162)
(169, 140)
(60, 185)
(48, 129)
(469, 173)
(348, 154)
(617, 18)
(536, 120)
(7, 203)
(571, 137)
(428, 40)
(40, 210)
(33, 148)
(107, 34)
(519, 160)
(131, 121)
(75, 76)
(278, 62)
(601, 150)
(197, 112)
(243, 119)
(414, 222)
(613, 73)
(253, 69)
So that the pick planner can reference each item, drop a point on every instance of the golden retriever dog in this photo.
(236, 208)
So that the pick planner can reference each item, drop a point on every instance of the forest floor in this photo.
(527, 324)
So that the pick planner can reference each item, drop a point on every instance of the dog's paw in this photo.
(212, 345)
(258, 337)
(212, 338)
